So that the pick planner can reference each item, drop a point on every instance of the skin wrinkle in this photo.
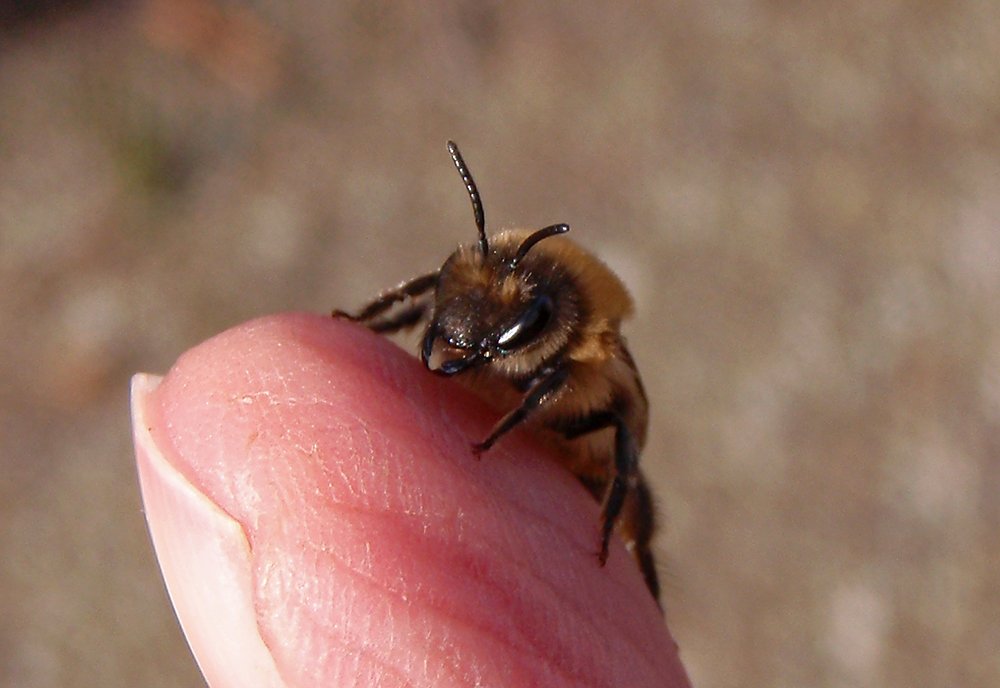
(397, 593)
(523, 571)
(383, 658)
(519, 573)
(360, 651)
(346, 480)
(365, 497)
(348, 641)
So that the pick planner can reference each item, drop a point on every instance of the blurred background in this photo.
(803, 197)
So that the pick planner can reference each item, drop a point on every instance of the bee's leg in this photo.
(625, 483)
(405, 318)
(597, 420)
(638, 523)
(415, 287)
(540, 392)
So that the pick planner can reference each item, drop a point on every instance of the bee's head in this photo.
(496, 303)
(494, 310)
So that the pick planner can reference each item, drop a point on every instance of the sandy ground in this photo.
(804, 199)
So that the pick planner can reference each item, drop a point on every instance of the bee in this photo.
(533, 320)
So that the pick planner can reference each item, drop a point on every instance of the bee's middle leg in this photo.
(638, 524)
(625, 476)
(540, 393)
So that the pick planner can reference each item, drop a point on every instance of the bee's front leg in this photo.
(419, 289)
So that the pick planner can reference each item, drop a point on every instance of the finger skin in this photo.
(321, 521)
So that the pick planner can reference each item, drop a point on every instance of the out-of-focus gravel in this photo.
(804, 198)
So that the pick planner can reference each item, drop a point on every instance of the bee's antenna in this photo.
(470, 186)
(535, 237)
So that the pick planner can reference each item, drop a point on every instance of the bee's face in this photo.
(490, 312)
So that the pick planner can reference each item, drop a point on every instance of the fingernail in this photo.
(205, 559)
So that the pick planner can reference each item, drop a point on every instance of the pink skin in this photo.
(321, 521)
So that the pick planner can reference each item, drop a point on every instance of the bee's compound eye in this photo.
(529, 325)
